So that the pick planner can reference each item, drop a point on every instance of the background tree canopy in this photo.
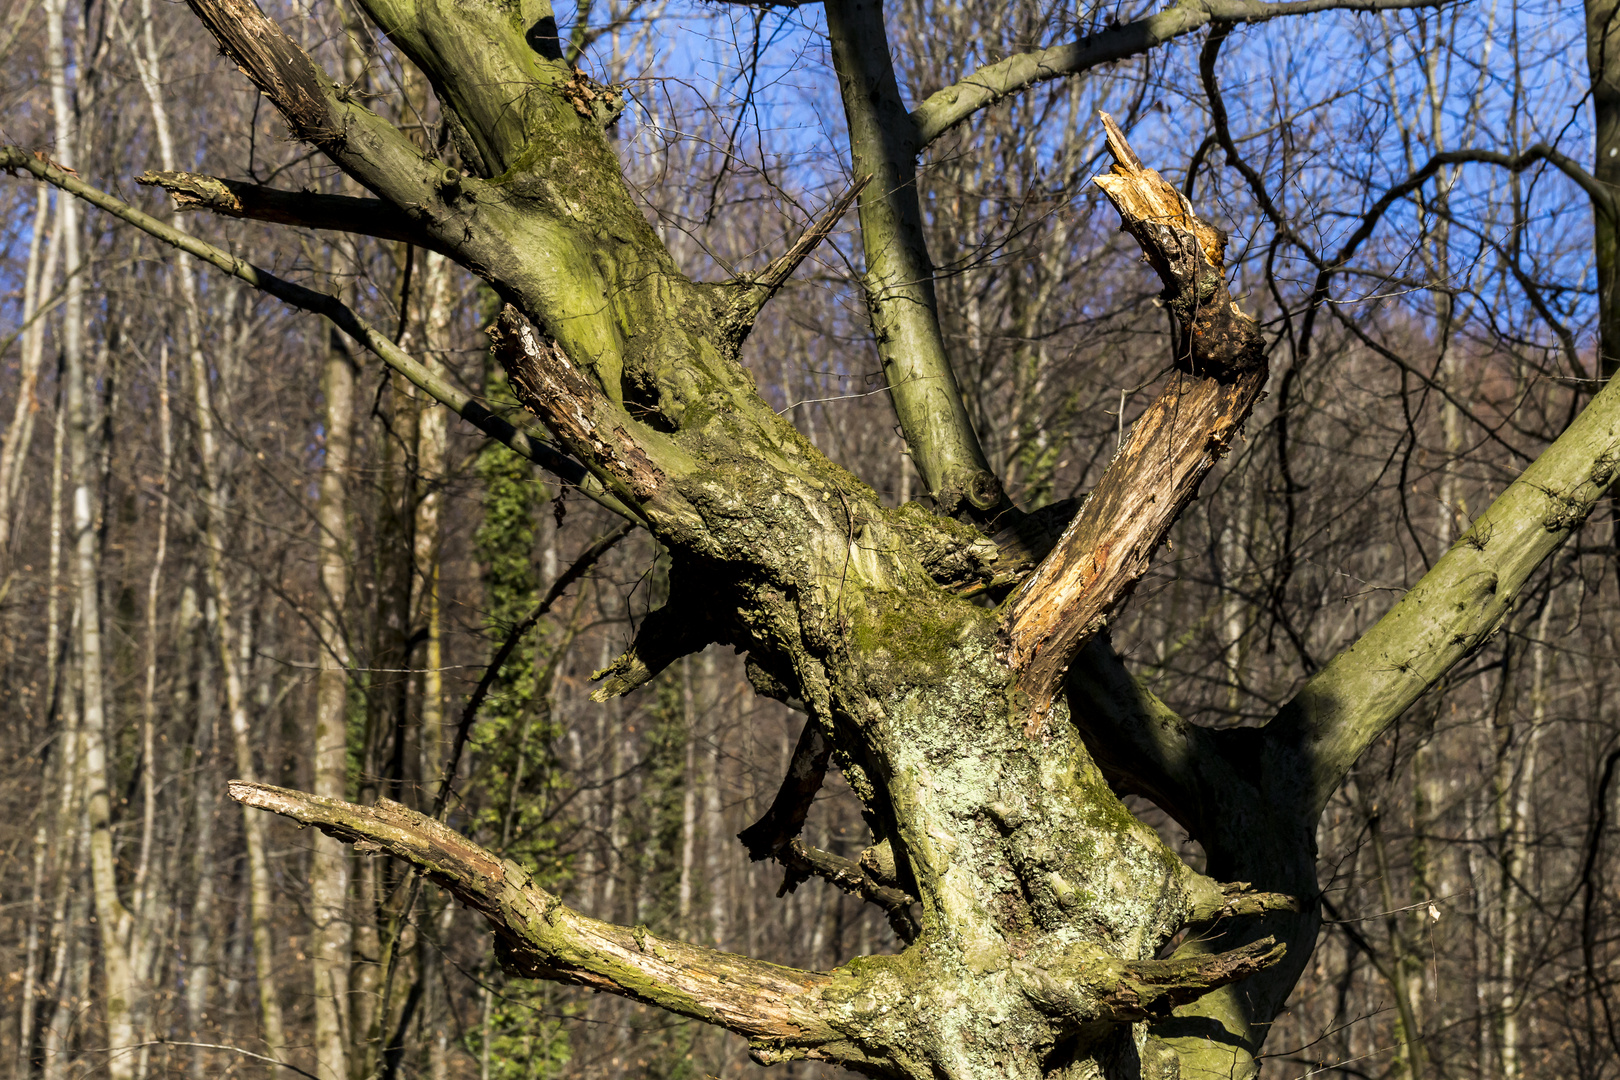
(1289, 749)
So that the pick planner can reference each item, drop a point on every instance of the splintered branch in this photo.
(539, 936)
(300, 209)
(1190, 257)
(1107, 547)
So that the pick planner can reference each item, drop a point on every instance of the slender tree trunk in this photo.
(331, 942)
(201, 930)
(1412, 1060)
(1603, 63)
(111, 916)
(148, 887)
(68, 977)
(1515, 787)
(689, 799)
(23, 1064)
(713, 817)
(225, 616)
(37, 280)
(432, 448)
(65, 756)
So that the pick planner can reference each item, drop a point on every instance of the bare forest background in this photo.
(243, 540)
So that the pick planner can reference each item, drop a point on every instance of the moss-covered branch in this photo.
(1450, 612)
(899, 275)
(1142, 745)
(944, 109)
(365, 145)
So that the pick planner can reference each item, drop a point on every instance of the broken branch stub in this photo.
(1107, 547)
(1190, 257)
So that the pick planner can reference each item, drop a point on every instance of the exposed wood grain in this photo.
(540, 937)
(570, 405)
(1107, 547)
(278, 67)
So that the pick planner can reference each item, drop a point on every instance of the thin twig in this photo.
(216, 1046)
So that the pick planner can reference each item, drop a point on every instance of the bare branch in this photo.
(13, 159)
(300, 209)
(773, 277)
(899, 275)
(804, 862)
(1106, 549)
(1451, 611)
(540, 937)
(991, 83)
(782, 822)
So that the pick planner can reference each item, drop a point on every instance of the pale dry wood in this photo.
(1107, 547)
(572, 407)
(540, 937)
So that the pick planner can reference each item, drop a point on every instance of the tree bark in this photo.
(899, 275)
(331, 929)
(231, 640)
(112, 918)
(985, 745)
